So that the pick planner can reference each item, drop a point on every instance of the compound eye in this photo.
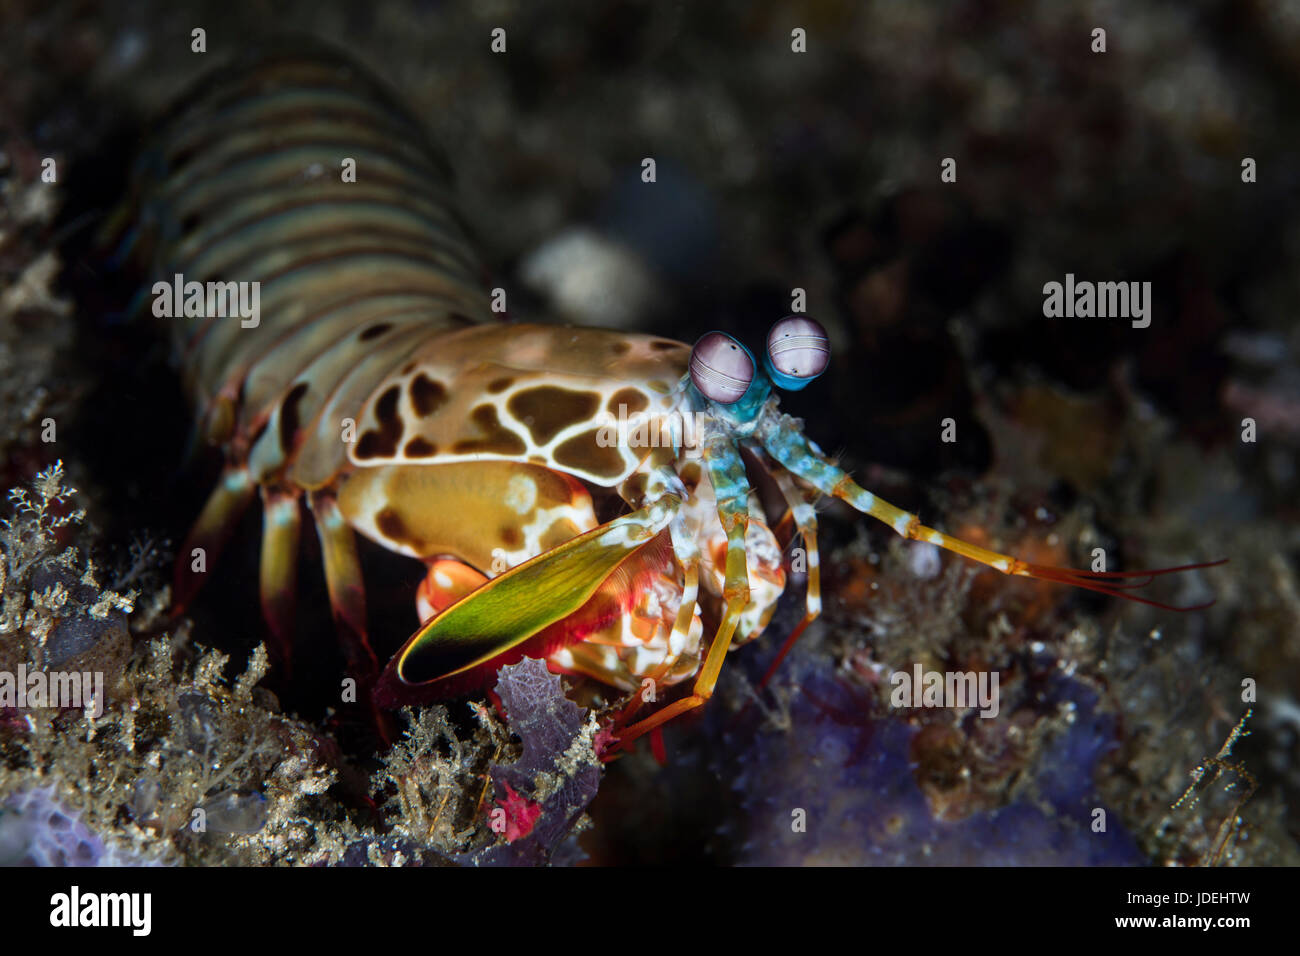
(721, 368)
(798, 350)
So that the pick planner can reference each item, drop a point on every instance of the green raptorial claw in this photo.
(508, 610)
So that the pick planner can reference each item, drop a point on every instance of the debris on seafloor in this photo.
(557, 769)
(848, 786)
(591, 279)
(468, 805)
(164, 760)
(169, 762)
(38, 829)
(1242, 781)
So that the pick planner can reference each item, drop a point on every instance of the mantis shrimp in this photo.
(379, 392)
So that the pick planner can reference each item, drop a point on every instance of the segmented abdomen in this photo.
(245, 182)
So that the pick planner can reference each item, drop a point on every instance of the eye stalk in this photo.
(798, 350)
(721, 368)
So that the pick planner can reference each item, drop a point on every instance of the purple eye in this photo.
(798, 351)
(721, 368)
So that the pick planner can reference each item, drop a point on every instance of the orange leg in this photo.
(278, 574)
(726, 471)
(805, 519)
(343, 581)
(221, 512)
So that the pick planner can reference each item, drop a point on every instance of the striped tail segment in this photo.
(243, 182)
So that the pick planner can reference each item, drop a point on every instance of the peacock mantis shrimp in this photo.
(378, 388)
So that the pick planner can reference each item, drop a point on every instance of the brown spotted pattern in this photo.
(427, 396)
(547, 410)
(491, 437)
(584, 453)
(381, 442)
(541, 394)
(629, 400)
(522, 509)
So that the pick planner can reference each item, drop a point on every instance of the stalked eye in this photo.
(797, 351)
(721, 368)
